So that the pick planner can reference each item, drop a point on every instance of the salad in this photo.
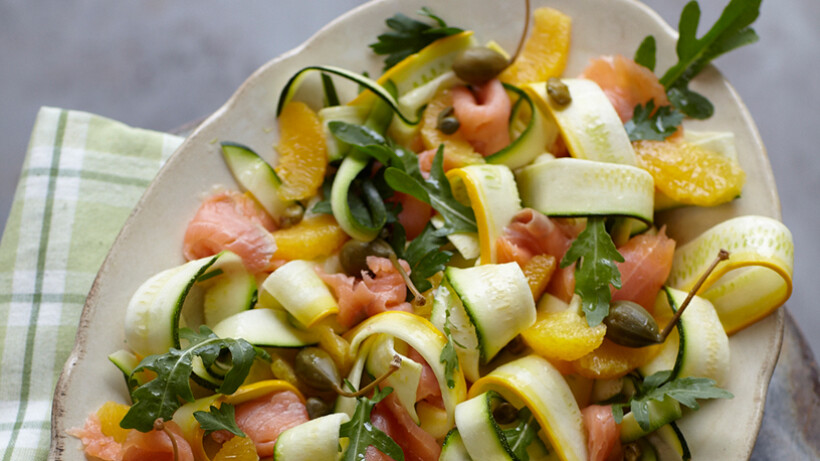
(461, 262)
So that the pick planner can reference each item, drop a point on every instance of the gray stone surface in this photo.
(157, 64)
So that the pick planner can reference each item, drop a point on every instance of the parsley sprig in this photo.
(408, 36)
(595, 254)
(448, 355)
(219, 418)
(162, 396)
(651, 124)
(659, 387)
(362, 433)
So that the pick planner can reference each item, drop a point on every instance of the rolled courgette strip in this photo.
(448, 312)
(483, 438)
(293, 84)
(404, 381)
(539, 133)
(315, 440)
(698, 347)
(300, 291)
(152, 318)
(266, 328)
(755, 280)
(420, 68)
(589, 124)
(533, 382)
(498, 301)
(422, 336)
(571, 187)
(493, 194)
(453, 448)
(233, 289)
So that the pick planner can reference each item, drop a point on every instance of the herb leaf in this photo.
(160, 397)
(363, 434)
(216, 419)
(647, 52)
(403, 175)
(655, 126)
(596, 269)
(658, 387)
(522, 435)
(436, 192)
(729, 32)
(425, 257)
(448, 355)
(409, 36)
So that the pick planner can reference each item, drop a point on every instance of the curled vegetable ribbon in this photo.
(756, 279)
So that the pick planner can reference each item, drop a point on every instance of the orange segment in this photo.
(538, 271)
(312, 238)
(237, 449)
(690, 174)
(545, 52)
(110, 414)
(563, 336)
(302, 152)
(612, 361)
(457, 151)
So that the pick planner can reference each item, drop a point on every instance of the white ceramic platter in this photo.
(152, 238)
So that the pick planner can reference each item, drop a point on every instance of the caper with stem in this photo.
(479, 65)
(630, 325)
(315, 367)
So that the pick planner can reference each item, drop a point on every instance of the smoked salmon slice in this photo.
(484, 116)
(532, 233)
(392, 418)
(626, 83)
(264, 418)
(232, 221)
(360, 299)
(603, 433)
(138, 446)
(646, 266)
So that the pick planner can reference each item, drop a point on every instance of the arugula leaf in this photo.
(217, 419)
(658, 387)
(403, 174)
(409, 36)
(522, 435)
(655, 126)
(448, 355)
(729, 32)
(363, 434)
(596, 270)
(436, 191)
(647, 52)
(160, 397)
(425, 257)
(323, 206)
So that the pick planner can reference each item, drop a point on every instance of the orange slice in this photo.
(302, 152)
(611, 361)
(110, 414)
(690, 174)
(539, 270)
(563, 336)
(237, 449)
(457, 151)
(312, 238)
(545, 52)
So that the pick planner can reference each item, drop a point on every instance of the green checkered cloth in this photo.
(82, 176)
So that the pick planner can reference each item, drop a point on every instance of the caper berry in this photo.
(354, 253)
(316, 407)
(558, 91)
(505, 413)
(315, 367)
(291, 216)
(628, 324)
(479, 65)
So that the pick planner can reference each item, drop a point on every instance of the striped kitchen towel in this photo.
(82, 176)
